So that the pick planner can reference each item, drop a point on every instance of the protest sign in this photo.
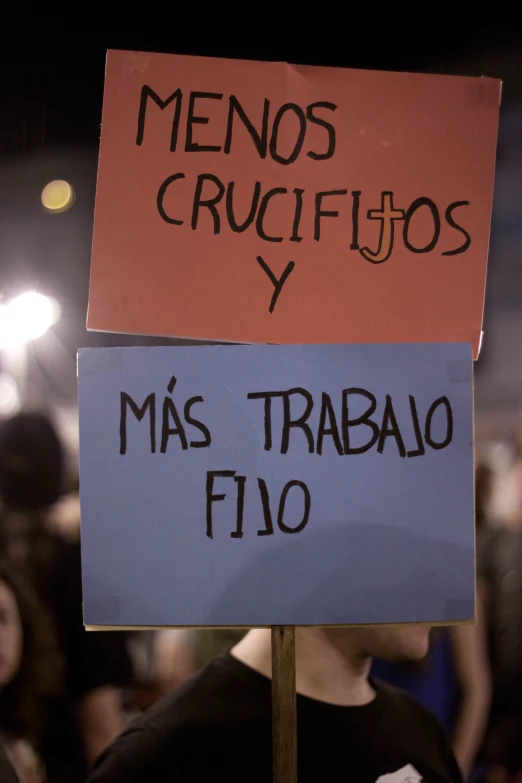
(264, 202)
(276, 485)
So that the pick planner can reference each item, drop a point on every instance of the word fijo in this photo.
(241, 481)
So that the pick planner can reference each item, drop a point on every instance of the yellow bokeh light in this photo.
(57, 196)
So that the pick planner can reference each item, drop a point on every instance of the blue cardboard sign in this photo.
(277, 485)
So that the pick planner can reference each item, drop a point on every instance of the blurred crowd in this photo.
(66, 693)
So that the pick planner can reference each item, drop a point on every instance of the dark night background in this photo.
(51, 89)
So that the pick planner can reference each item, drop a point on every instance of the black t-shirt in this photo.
(217, 727)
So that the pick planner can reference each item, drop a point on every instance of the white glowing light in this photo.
(26, 317)
(4, 339)
(30, 315)
(9, 399)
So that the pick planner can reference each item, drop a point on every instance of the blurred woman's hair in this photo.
(31, 462)
(24, 701)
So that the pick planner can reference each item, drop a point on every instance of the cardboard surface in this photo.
(210, 221)
(376, 523)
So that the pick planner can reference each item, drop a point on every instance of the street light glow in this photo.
(58, 196)
(26, 317)
(4, 339)
(9, 399)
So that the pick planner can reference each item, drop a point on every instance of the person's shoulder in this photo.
(217, 692)
(406, 707)
(136, 756)
(168, 739)
(414, 720)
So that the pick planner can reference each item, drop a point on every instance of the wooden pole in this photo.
(284, 719)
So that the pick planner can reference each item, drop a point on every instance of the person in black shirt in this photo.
(217, 726)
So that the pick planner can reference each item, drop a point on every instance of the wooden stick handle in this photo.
(284, 719)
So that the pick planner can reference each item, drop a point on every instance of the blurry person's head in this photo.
(391, 643)
(31, 462)
(30, 665)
